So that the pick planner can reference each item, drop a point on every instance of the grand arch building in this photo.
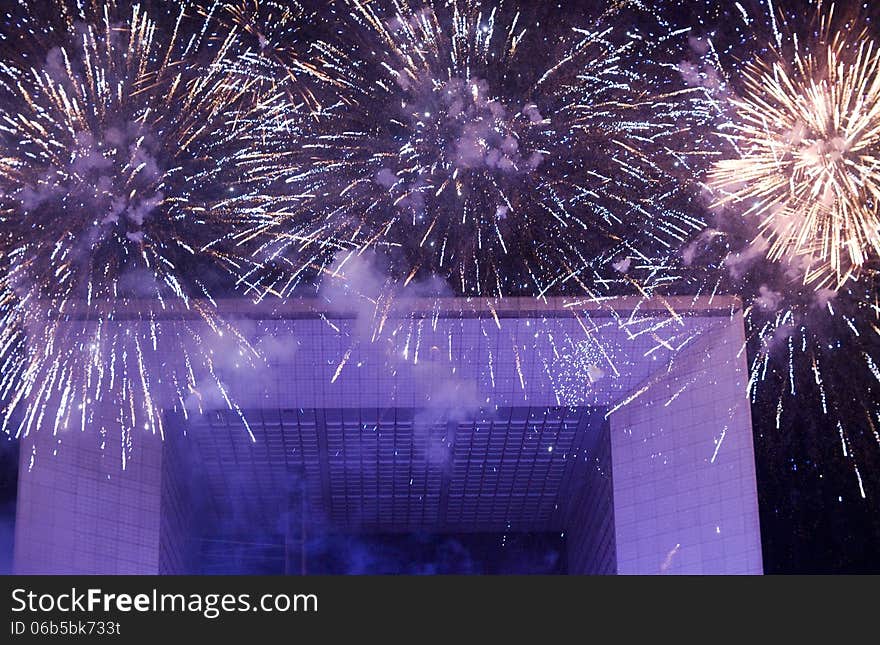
(623, 428)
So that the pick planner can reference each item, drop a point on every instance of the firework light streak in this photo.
(272, 51)
(113, 140)
(468, 145)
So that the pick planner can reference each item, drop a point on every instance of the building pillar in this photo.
(79, 511)
(685, 498)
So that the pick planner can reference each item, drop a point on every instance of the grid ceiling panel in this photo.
(381, 470)
(394, 470)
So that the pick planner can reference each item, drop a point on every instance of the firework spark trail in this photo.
(275, 47)
(467, 144)
(113, 145)
(462, 140)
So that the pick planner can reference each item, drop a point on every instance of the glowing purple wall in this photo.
(685, 499)
(79, 513)
(680, 452)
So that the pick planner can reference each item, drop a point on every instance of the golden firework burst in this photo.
(807, 128)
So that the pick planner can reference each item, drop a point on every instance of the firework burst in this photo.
(113, 140)
(475, 142)
(808, 130)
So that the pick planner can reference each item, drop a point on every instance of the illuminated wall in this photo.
(497, 437)
(685, 499)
